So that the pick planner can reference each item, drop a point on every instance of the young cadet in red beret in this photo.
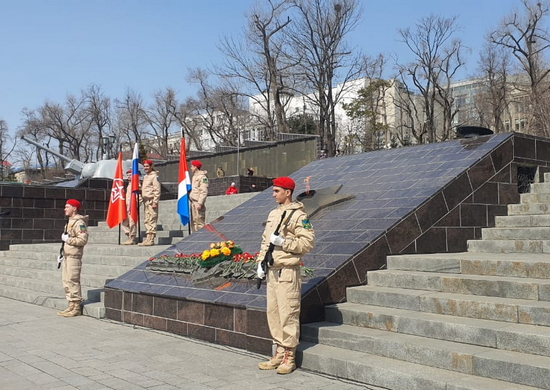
(75, 236)
(284, 282)
(198, 194)
(150, 193)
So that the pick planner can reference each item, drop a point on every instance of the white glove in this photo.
(260, 271)
(59, 261)
(65, 237)
(276, 240)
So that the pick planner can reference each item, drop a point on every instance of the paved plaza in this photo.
(40, 350)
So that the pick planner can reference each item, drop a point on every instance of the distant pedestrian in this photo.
(150, 193)
(220, 172)
(74, 237)
(198, 194)
(250, 171)
(232, 189)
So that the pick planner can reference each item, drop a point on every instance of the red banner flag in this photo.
(116, 213)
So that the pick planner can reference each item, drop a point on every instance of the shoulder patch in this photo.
(205, 179)
(306, 224)
(83, 228)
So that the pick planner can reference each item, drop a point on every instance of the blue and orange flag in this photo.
(184, 186)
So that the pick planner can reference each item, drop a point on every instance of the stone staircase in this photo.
(28, 272)
(476, 320)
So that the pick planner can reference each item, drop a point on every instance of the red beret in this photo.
(129, 171)
(148, 162)
(284, 182)
(75, 203)
(196, 163)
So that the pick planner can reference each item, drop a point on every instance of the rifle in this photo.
(60, 257)
(268, 258)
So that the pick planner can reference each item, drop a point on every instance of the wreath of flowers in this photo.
(236, 263)
(218, 252)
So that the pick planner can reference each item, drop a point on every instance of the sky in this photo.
(52, 48)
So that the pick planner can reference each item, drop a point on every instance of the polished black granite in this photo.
(390, 190)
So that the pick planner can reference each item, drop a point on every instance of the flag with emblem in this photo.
(116, 213)
(184, 186)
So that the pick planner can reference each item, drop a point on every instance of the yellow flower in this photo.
(226, 251)
(205, 255)
(214, 252)
(212, 245)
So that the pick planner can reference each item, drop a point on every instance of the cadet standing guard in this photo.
(74, 237)
(284, 281)
(150, 193)
(198, 194)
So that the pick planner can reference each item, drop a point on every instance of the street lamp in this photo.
(108, 141)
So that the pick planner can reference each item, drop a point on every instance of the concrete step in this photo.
(540, 188)
(91, 291)
(491, 286)
(48, 260)
(29, 272)
(529, 209)
(534, 198)
(452, 356)
(90, 308)
(524, 338)
(36, 267)
(524, 265)
(527, 265)
(97, 249)
(461, 305)
(516, 221)
(391, 373)
(509, 246)
(516, 233)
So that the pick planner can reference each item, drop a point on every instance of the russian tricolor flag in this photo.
(134, 184)
(184, 186)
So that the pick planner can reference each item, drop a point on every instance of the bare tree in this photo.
(492, 98)
(524, 34)
(220, 110)
(437, 59)
(99, 111)
(189, 120)
(161, 116)
(323, 57)
(33, 127)
(5, 149)
(259, 63)
(130, 116)
(70, 126)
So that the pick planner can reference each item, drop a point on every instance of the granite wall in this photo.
(35, 213)
(428, 198)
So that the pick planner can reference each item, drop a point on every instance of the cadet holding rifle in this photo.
(288, 236)
(75, 236)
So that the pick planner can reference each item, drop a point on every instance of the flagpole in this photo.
(138, 224)
(189, 205)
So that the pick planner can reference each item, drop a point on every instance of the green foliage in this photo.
(367, 105)
(302, 124)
